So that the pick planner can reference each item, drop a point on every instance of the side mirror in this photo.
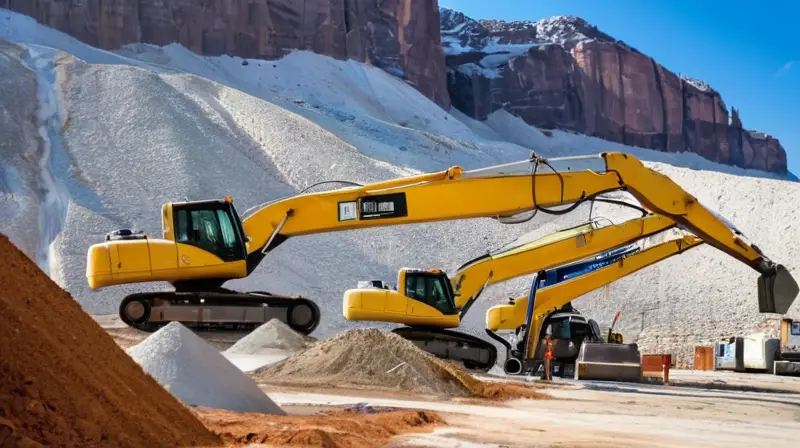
(776, 291)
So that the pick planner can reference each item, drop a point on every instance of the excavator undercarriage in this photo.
(218, 310)
(475, 353)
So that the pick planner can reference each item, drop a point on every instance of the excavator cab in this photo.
(213, 226)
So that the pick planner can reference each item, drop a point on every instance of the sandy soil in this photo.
(354, 427)
(64, 382)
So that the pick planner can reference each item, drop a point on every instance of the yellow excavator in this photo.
(206, 243)
(429, 301)
(553, 305)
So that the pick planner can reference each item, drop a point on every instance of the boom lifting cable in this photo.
(593, 198)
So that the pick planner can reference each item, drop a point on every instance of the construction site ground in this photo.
(708, 409)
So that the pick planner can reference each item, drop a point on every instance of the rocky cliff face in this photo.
(381, 33)
(564, 73)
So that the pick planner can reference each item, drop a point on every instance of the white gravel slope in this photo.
(19, 151)
(197, 373)
(139, 133)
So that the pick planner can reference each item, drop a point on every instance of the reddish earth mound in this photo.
(63, 380)
(341, 429)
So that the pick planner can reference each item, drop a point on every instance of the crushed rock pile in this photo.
(63, 380)
(197, 373)
(273, 336)
(378, 358)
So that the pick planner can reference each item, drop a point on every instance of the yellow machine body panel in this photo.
(510, 317)
(395, 307)
(385, 305)
(149, 260)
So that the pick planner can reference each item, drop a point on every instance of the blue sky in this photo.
(746, 50)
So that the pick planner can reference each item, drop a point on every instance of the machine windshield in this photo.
(210, 227)
(431, 289)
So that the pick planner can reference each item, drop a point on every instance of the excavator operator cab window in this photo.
(212, 226)
(431, 289)
(559, 329)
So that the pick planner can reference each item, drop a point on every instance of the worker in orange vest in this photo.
(548, 355)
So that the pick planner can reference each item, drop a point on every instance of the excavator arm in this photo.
(518, 313)
(512, 315)
(659, 194)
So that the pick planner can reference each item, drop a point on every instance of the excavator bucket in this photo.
(776, 291)
(608, 362)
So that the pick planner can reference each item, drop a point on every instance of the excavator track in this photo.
(473, 352)
(224, 310)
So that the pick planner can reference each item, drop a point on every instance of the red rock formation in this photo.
(378, 32)
(571, 76)
(672, 102)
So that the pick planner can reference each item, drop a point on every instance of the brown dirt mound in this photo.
(63, 380)
(365, 357)
(340, 429)
(382, 359)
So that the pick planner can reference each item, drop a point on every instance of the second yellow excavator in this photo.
(430, 302)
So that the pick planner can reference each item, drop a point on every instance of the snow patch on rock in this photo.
(55, 197)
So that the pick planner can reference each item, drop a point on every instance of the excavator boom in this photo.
(553, 250)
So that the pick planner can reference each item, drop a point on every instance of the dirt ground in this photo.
(590, 414)
(698, 409)
(335, 428)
